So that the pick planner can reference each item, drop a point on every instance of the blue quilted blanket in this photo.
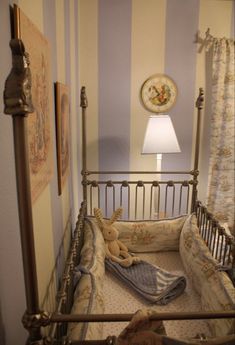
(151, 282)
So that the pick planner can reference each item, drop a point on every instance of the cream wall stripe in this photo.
(88, 74)
(61, 77)
(148, 47)
(49, 9)
(233, 20)
(216, 15)
(77, 91)
(73, 115)
(147, 58)
(42, 213)
(60, 44)
(49, 29)
(65, 197)
(71, 80)
(43, 237)
(33, 11)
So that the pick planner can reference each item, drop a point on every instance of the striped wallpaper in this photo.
(126, 42)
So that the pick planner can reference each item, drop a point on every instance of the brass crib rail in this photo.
(219, 242)
(157, 199)
(127, 317)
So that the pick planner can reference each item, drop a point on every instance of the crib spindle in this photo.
(184, 185)
(125, 185)
(170, 184)
(140, 184)
(217, 243)
(109, 184)
(94, 186)
(154, 194)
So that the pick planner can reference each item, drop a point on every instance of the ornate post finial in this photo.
(84, 102)
(17, 92)
(200, 99)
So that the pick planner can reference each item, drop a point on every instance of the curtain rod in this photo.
(206, 42)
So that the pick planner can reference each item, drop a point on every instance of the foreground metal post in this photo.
(18, 103)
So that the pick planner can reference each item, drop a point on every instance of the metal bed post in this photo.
(83, 105)
(199, 106)
(18, 103)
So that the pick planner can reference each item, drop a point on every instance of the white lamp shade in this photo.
(160, 136)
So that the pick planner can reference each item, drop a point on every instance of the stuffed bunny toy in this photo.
(115, 249)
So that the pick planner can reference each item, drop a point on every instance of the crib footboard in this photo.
(219, 241)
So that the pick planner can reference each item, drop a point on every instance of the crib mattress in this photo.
(121, 299)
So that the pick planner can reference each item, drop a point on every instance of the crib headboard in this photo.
(157, 195)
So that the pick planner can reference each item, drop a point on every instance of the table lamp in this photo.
(160, 137)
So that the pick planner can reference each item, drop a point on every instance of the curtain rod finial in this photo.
(208, 32)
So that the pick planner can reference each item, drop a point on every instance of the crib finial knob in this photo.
(84, 102)
(17, 92)
(200, 99)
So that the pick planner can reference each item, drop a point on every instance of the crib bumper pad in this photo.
(151, 282)
(151, 236)
(88, 280)
(214, 286)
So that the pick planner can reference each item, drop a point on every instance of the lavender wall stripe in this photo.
(50, 32)
(233, 21)
(76, 21)
(49, 23)
(67, 41)
(76, 52)
(114, 26)
(180, 64)
(68, 77)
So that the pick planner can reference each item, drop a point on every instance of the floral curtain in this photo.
(221, 199)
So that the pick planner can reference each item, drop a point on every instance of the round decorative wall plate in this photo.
(158, 93)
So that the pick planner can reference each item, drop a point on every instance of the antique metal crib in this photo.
(141, 199)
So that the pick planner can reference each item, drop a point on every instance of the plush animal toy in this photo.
(115, 249)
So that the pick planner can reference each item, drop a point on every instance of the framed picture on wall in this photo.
(62, 132)
(38, 123)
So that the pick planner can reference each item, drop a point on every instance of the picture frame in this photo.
(39, 137)
(62, 133)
